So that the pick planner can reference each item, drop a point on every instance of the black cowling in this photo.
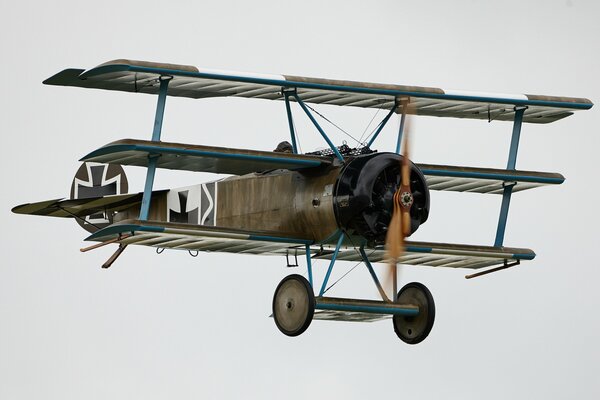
(363, 196)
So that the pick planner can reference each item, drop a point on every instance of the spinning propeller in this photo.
(400, 223)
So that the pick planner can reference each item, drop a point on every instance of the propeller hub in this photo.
(406, 199)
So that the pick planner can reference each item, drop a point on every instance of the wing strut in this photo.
(373, 274)
(382, 125)
(401, 129)
(152, 158)
(309, 264)
(290, 121)
(512, 161)
(333, 258)
(316, 124)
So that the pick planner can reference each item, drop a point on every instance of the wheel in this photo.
(414, 329)
(293, 305)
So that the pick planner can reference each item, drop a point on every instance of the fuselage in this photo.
(313, 204)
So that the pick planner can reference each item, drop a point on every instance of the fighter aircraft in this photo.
(339, 204)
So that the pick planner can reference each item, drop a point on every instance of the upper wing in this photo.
(189, 81)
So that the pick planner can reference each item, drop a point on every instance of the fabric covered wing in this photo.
(205, 238)
(439, 255)
(485, 180)
(189, 81)
(200, 158)
(169, 235)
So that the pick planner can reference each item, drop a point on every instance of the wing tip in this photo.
(34, 208)
(66, 77)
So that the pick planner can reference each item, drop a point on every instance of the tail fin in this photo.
(98, 180)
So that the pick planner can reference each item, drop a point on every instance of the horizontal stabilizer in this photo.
(485, 180)
(197, 158)
(79, 207)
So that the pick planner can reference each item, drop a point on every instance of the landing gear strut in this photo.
(293, 305)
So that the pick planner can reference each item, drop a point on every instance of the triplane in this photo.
(339, 204)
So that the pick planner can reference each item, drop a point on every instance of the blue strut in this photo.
(365, 259)
(381, 125)
(309, 265)
(335, 253)
(290, 121)
(316, 124)
(153, 158)
(512, 161)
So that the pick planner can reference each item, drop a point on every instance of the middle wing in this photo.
(197, 158)
(201, 158)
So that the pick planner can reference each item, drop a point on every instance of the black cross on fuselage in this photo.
(186, 217)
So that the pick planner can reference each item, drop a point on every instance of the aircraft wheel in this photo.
(413, 330)
(293, 305)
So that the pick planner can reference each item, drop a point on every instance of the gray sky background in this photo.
(173, 326)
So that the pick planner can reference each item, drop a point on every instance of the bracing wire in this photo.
(369, 124)
(343, 276)
(351, 269)
(297, 136)
(333, 123)
(79, 218)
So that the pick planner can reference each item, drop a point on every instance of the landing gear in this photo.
(293, 305)
(414, 329)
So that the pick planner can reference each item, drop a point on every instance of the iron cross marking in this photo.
(99, 187)
(184, 216)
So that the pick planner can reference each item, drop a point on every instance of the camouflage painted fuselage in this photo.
(298, 204)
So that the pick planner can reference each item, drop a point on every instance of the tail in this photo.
(98, 180)
(89, 203)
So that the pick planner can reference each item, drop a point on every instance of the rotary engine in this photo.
(363, 196)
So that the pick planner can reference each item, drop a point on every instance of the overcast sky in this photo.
(173, 326)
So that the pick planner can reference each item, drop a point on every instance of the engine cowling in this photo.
(363, 195)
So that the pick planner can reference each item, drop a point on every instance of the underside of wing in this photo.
(167, 235)
(206, 238)
(189, 81)
(439, 255)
